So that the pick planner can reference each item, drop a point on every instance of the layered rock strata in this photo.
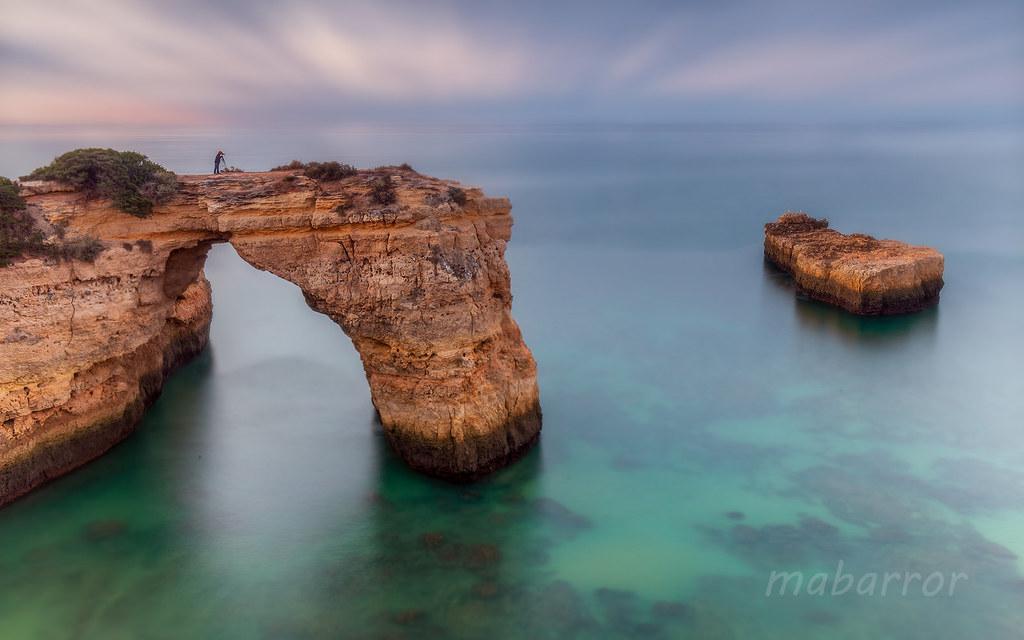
(857, 272)
(419, 285)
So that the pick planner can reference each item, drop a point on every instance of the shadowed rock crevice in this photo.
(427, 307)
(183, 267)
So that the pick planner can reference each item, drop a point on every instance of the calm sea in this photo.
(704, 427)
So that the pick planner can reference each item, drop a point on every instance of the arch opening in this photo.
(419, 285)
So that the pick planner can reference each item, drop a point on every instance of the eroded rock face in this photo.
(859, 273)
(420, 286)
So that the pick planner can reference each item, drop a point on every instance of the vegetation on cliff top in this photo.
(18, 232)
(131, 180)
(457, 195)
(383, 191)
(325, 171)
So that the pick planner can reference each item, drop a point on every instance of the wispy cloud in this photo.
(142, 61)
(640, 57)
(93, 56)
(412, 58)
(889, 66)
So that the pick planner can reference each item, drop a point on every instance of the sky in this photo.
(152, 64)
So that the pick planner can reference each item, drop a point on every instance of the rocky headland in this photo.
(413, 271)
(857, 272)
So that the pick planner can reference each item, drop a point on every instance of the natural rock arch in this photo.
(420, 286)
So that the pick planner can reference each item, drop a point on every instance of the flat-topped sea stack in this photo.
(859, 273)
(412, 268)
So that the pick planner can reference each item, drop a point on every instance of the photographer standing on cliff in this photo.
(219, 158)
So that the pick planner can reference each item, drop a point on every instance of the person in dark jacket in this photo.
(217, 160)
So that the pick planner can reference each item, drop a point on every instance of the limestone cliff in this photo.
(859, 273)
(419, 285)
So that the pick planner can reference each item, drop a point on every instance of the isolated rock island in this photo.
(412, 268)
(857, 272)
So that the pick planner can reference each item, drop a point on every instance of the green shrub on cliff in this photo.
(383, 191)
(86, 249)
(323, 171)
(18, 232)
(328, 171)
(131, 180)
(457, 195)
(10, 199)
(294, 165)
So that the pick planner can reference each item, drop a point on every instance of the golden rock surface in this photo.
(420, 286)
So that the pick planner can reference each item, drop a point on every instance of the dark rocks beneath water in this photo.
(818, 527)
(849, 488)
(889, 534)
(487, 589)
(481, 556)
(670, 609)
(907, 528)
(775, 545)
(559, 514)
(432, 539)
(104, 530)
(534, 556)
(558, 611)
(474, 557)
(408, 616)
(784, 542)
(970, 485)
(512, 498)
(619, 606)
(975, 545)
(620, 609)
(735, 515)
(847, 494)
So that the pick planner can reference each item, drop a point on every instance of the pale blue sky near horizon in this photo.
(157, 66)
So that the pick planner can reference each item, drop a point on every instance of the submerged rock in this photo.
(619, 607)
(104, 529)
(857, 272)
(559, 514)
(783, 542)
(670, 609)
(558, 611)
(481, 556)
(432, 539)
(408, 616)
(978, 546)
(486, 589)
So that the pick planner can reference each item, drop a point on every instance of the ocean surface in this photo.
(704, 427)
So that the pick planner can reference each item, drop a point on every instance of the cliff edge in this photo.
(418, 282)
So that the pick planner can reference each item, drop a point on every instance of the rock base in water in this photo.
(857, 272)
(473, 457)
(108, 400)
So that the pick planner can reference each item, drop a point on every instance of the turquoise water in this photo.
(703, 426)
